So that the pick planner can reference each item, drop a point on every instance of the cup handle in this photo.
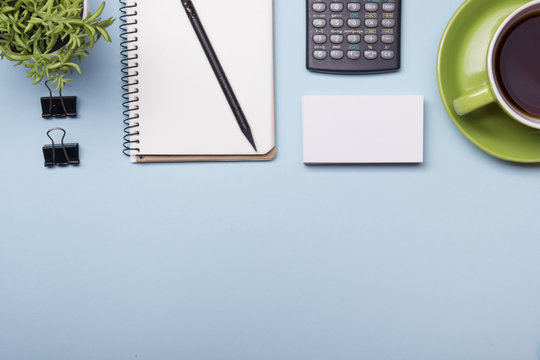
(474, 100)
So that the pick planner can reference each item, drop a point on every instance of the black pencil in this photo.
(218, 71)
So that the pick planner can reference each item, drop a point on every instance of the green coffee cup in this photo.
(493, 90)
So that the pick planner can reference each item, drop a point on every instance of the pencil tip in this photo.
(249, 137)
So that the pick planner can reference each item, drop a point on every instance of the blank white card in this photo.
(363, 129)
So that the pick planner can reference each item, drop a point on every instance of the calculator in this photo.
(353, 36)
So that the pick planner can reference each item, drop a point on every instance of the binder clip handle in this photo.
(61, 141)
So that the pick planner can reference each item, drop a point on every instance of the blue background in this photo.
(274, 260)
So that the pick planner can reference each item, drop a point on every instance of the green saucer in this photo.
(461, 67)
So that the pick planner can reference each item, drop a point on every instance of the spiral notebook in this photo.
(175, 108)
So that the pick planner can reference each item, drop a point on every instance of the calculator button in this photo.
(354, 7)
(353, 54)
(354, 39)
(354, 23)
(371, 23)
(336, 39)
(319, 39)
(319, 7)
(389, 7)
(388, 23)
(371, 39)
(319, 23)
(320, 54)
(337, 6)
(387, 54)
(337, 23)
(372, 7)
(336, 54)
(388, 39)
(370, 54)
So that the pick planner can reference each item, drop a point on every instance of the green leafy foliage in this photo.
(49, 36)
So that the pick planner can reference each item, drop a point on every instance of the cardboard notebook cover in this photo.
(194, 158)
(177, 109)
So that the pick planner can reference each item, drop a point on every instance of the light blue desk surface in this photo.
(264, 260)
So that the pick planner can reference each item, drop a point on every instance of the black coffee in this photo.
(518, 65)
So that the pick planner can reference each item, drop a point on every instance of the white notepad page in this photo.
(363, 129)
(182, 109)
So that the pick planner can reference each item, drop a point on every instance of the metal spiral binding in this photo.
(129, 48)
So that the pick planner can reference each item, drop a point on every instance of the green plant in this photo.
(46, 36)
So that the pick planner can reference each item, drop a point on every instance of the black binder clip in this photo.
(60, 155)
(58, 106)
